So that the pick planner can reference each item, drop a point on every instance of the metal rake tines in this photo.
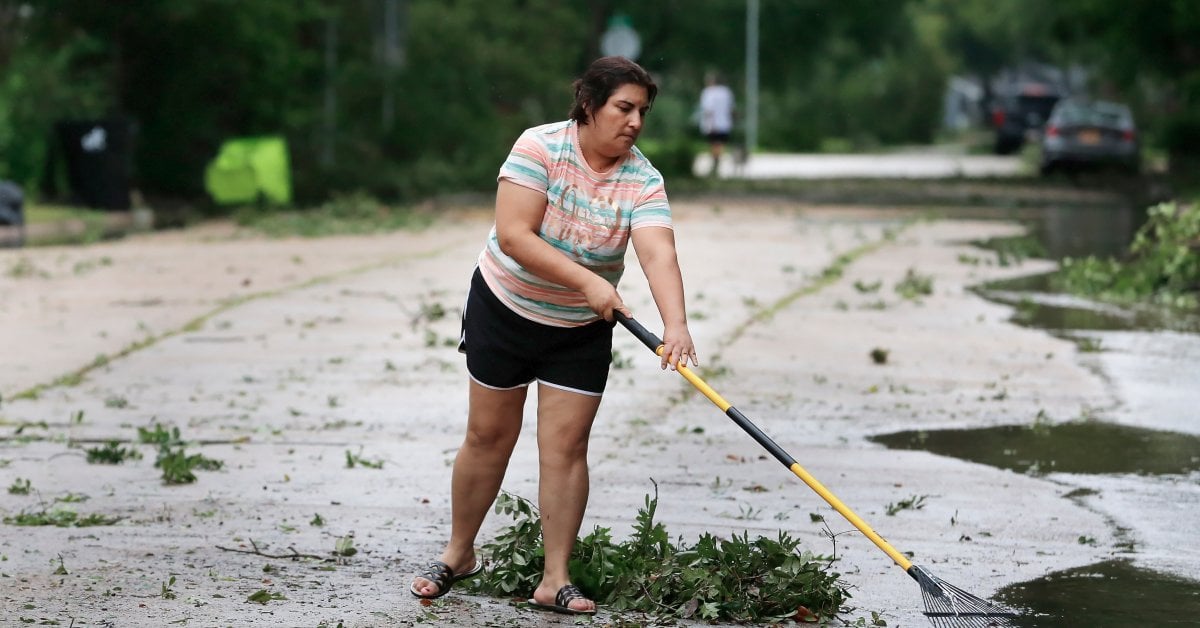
(948, 606)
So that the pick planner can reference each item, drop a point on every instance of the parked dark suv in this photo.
(1020, 114)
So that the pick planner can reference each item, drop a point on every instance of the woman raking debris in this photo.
(571, 196)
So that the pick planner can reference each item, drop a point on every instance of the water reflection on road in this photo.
(1113, 593)
(1079, 231)
(1086, 447)
(1138, 461)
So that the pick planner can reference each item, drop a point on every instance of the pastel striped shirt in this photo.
(589, 218)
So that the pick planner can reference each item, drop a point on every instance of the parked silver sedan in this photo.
(1082, 134)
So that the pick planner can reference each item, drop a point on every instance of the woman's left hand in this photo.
(678, 347)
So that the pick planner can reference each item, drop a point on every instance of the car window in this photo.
(1095, 115)
(1041, 105)
(1070, 114)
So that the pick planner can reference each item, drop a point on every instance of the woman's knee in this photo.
(561, 453)
(494, 418)
(492, 436)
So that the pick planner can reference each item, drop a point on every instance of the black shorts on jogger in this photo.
(505, 350)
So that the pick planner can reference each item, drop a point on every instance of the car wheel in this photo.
(1006, 145)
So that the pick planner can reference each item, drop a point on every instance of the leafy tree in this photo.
(1148, 51)
(479, 72)
(188, 73)
(41, 82)
(434, 103)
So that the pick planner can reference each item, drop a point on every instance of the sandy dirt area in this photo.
(281, 358)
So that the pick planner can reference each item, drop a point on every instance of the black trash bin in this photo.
(12, 213)
(99, 158)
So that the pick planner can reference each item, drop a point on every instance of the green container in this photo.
(250, 170)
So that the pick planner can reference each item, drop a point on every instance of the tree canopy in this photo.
(404, 98)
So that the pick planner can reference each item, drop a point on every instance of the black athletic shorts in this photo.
(718, 136)
(505, 350)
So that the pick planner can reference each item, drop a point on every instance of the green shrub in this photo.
(736, 579)
(1162, 266)
(673, 157)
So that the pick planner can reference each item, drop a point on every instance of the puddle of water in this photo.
(1053, 313)
(1058, 232)
(1037, 305)
(1111, 593)
(1040, 282)
(1081, 447)
(1075, 232)
(1082, 231)
(1062, 317)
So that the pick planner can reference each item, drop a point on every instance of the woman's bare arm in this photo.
(655, 247)
(519, 214)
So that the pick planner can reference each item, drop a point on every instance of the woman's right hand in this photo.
(603, 298)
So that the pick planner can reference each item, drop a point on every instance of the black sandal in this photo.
(443, 577)
(562, 601)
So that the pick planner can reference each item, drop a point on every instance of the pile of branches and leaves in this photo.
(735, 579)
(1162, 266)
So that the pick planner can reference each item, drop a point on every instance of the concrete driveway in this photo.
(285, 358)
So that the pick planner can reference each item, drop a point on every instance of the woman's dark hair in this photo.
(601, 79)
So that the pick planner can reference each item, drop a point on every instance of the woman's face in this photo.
(616, 125)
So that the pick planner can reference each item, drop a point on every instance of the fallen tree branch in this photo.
(257, 552)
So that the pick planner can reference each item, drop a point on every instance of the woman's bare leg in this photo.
(564, 425)
(493, 425)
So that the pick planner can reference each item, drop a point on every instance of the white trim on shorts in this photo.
(490, 387)
(569, 389)
(543, 382)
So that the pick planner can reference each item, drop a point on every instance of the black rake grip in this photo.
(641, 333)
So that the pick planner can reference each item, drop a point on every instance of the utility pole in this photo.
(395, 18)
(751, 76)
(330, 113)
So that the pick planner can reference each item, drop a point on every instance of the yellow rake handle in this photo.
(655, 344)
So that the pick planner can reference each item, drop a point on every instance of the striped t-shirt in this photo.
(589, 216)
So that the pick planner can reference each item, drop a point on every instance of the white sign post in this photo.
(620, 40)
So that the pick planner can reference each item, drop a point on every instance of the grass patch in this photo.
(60, 517)
(36, 214)
(111, 453)
(346, 214)
(914, 285)
(178, 466)
(916, 502)
(356, 460)
(79, 226)
(24, 268)
(867, 288)
(262, 596)
(159, 435)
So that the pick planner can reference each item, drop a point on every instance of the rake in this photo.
(946, 605)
